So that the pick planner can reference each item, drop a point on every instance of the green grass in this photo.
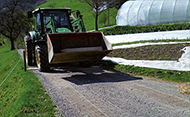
(22, 94)
(85, 9)
(166, 75)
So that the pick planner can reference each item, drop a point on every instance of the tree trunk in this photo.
(108, 16)
(12, 44)
(96, 21)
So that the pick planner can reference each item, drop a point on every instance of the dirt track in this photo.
(95, 92)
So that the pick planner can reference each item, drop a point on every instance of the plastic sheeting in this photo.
(177, 34)
(167, 65)
(183, 64)
(148, 12)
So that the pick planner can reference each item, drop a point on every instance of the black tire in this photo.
(28, 50)
(42, 57)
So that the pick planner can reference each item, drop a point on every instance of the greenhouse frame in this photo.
(149, 12)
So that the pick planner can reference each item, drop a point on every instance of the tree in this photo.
(13, 20)
(118, 3)
(98, 7)
(110, 4)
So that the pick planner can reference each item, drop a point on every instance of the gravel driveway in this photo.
(95, 92)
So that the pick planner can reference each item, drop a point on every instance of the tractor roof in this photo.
(50, 9)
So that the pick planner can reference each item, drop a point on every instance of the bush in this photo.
(149, 28)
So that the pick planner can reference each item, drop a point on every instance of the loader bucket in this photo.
(77, 47)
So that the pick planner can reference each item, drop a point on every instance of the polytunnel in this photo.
(149, 12)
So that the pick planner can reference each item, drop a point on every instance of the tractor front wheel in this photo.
(28, 50)
(42, 57)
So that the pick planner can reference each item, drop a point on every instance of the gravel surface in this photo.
(95, 92)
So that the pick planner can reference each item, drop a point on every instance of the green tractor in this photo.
(59, 37)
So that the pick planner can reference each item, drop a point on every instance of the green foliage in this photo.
(85, 9)
(148, 28)
(22, 94)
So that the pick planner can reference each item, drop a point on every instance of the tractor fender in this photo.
(32, 35)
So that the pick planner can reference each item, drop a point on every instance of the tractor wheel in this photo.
(42, 57)
(28, 50)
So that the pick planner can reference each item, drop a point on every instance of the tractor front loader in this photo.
(60, 38)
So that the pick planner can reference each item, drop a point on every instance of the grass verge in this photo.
(152, 41)
(21, 94)
(167, 75)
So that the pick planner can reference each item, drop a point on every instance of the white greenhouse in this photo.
(148, 12)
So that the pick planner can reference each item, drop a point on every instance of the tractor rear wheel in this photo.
(28, 50)
(42, 57)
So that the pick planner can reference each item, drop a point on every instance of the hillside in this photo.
(85, 10)
(36, 2)
(33, 3)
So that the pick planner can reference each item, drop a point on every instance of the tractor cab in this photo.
(53, 20)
